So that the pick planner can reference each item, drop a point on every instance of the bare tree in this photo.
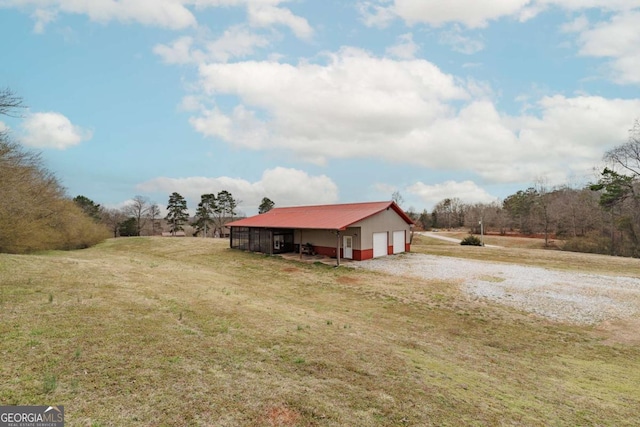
(112, 218)
(627, 155)
(9, 102)
(154, 216)
(139, 209)
(397, 198)
(544, 209)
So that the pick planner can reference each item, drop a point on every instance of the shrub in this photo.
(588, 244)
(471, 241)
(35, 213)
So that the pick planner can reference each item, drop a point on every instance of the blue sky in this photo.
(309, 102)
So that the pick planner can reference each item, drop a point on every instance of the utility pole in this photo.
(481, 233)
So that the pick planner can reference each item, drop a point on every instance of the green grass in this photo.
(181, 332)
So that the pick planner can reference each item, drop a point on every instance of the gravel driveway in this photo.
(562, 296)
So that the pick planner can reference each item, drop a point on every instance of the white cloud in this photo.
(617, 39)
(578, 25)
(236, 42)
(472, 14)
(405, 48)
(171, 14)
(374, 15)
(467, 191)
(383, 188)
(213, 123)
(607, 5)
(42, 18)
(178, 52)
(191, 103)
(574, 133)
(4, 127)
(52, 130)
(266, 16)
(286, 187)
(407, 112)
(460, 43)
(314, 108)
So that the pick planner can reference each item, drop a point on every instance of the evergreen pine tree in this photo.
(177, 213)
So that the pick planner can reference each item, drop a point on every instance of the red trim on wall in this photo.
(389, 250)
(324, 250)
(407, 247)
(363, 254)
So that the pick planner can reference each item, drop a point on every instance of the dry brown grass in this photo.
(527, 251)
(177, 332)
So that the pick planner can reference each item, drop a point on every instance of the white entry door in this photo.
(379, 244)
(347, 247)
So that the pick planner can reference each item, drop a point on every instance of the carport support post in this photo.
(338, 249)
(300, 245)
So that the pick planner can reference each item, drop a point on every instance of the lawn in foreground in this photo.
(150, 331)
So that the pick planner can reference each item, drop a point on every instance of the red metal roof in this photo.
(325, 217)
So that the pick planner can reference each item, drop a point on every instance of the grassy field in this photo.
(527, 251)
(181, 332)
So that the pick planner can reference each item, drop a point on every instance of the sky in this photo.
(314, 102)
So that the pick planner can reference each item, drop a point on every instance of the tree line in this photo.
(141, 217)
(601, 217)
(35, 213)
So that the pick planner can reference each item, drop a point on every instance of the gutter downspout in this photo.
(338, 249)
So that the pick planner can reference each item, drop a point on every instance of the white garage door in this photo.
(398, 242)
(379, 244)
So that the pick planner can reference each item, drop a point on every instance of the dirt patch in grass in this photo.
(620, 332)
(281, 416)
(348, 280)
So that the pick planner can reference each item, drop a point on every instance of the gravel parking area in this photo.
(562, 296)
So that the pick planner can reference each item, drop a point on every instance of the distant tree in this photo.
(411, 213)
(225, 209)
(627, 155)
(266, 205)
(128, 227)
(449, 213)
(424, 220)
(397, 198)
(112, 218)
(519, 207)
(619, 196)
(154, 215)
(138, 208)
(434, 219)
(578, 212)
(204, 214)
(545, 209)
(226, 203)
(88, 206)
(177, 214)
